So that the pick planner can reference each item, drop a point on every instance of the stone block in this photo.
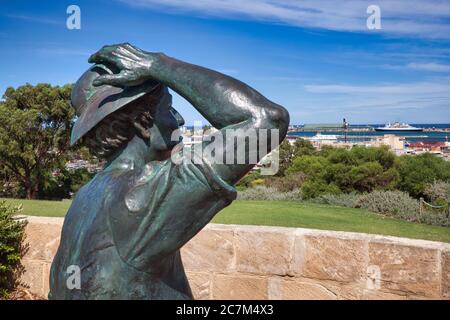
(239, 287)
(200, 283)
(43, 240)
(210, 250)
(33, 278)
(380, 295)
(406, 269)
(300, 290)
(330, 258)
(264, 251)
(445, 260)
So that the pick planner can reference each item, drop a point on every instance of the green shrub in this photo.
(303, 147)
(438, 191)
(358, 169)
(349, 200)
(12, 233)
(271, 194)
(246, 181)
(257, 183)
(313, 189)
(391, 203)
(288, 183)
(314, 167)
(417, 172)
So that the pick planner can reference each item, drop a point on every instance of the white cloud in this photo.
(402, 88)
(35, 19)
(416, 102)
(423, 18)
(435, 67)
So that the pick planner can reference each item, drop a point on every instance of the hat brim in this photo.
(107, 100)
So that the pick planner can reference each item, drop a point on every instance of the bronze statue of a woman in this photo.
(125, 228)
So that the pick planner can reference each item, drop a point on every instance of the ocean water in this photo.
(409, 136)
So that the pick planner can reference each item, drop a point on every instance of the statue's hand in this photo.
(133, 63)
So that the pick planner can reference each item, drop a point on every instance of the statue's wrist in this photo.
(155, 65)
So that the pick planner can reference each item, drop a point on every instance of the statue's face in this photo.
(166, 120)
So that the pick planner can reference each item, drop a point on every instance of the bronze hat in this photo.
(94, 103)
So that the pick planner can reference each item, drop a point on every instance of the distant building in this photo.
(395, 143)
(436, 147)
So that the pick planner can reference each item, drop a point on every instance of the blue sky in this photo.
(317, 58)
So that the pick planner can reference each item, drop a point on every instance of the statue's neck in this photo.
(134, 155)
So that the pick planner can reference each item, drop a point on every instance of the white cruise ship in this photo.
(397, 126)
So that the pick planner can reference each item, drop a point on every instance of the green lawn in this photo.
(287, 214)
(41, 207)
(325, 217)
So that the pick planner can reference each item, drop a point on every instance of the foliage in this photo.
(303, 147)
(288, 183)
(64, 183)
(35, 126)
(392, 203)
(285, 156)
(389, 203)
(313, 189)
(257, 182)
(12, 235)
(417, 172)
(288, 152)
(368, 177)
(438, 190)
(265, 193)
(349, 200)
(246, 181)
(314, 167)
(363, 169)
(438, 193)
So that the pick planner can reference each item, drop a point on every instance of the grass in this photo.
(287, 214)
(326, 217)
(41, 208)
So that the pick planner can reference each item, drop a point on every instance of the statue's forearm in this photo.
(222, 100)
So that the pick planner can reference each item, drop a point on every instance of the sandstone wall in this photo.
(250, 262)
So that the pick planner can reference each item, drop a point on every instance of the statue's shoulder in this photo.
(106, 189)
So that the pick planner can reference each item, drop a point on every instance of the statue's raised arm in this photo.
(224, 101)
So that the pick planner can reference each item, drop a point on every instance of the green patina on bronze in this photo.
(125, 227)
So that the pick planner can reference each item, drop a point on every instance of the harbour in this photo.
(430, 132)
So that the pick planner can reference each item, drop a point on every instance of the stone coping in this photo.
(296, 230)
(262, 262)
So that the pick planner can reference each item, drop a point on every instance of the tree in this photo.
(313, 189)
(285, 156)
(382, 155)
(303, 147)
(417, 172)
(359, 169)
(35, 126)
(314, 167)
(365, 176)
